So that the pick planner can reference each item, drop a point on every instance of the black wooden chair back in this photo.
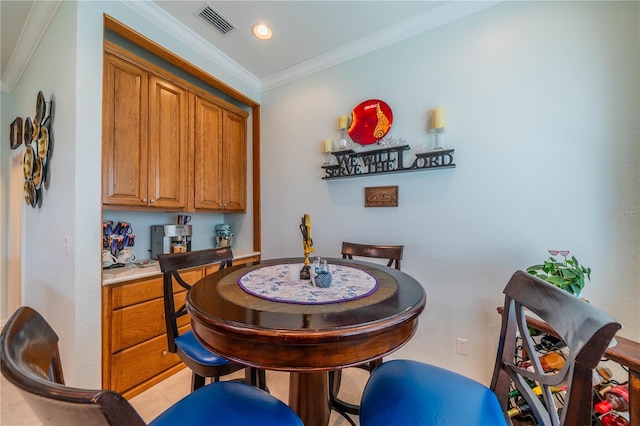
(171, 266)
(585, 330)
(392, 253)
(31, 361)
(413, 392)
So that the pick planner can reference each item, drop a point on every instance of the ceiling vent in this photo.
(216, 20)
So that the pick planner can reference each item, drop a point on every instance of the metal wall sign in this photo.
(385, 160)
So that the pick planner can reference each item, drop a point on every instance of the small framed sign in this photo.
(381, 196)
(16, 133)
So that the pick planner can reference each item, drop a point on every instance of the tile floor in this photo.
(15, 412)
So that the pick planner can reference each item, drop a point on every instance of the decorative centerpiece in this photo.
(569, 275)
(307, 246)
(320, 276)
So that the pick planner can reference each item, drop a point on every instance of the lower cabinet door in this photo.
(141, 362)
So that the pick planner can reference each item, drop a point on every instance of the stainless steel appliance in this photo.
(170, 239)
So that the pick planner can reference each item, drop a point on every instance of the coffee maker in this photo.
(170, 239)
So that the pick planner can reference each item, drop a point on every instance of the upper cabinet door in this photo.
(234, 161)
(208, 159)
(168, 162)
(220, 158)
(125, 138)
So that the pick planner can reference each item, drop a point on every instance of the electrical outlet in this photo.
(462, 346)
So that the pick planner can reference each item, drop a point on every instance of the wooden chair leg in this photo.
(256, 377)
(335, 379)
(196, 382)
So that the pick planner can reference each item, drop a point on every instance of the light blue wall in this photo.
(542, 106)
(49, 280)
(67, 65)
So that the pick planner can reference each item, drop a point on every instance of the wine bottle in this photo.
(552, 361)
(537, 390)
(613, 419)
(616, 398)
(518, 409)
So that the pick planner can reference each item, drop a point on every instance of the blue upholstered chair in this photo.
(31, 361)
(199, 359)
(393, 255)
(404, 392)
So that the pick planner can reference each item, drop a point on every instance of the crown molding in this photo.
(42, 13)
(447, 11)
(440, 15)
(168, 23)
(36, 25)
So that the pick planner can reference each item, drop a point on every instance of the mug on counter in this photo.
(129, 240)
(126, 256)
(183, 219)
(122, 228)
(107, 228)
(116, 243)
(108, 259)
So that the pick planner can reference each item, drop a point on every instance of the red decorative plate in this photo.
(370, 122)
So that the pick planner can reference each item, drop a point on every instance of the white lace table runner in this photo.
(281, 283)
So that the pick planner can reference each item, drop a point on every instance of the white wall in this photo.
(542, 108)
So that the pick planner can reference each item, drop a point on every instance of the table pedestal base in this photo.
(306, 390)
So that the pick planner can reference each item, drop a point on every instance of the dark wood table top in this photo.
(325, 336)
(306, 340)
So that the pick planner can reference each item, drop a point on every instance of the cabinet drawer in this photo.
(135, 324)
(147, 289)
(139, 363)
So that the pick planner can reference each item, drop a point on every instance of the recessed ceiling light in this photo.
(262, 31)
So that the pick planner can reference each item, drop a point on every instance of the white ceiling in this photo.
(307, 35)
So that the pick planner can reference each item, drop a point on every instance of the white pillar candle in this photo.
(327, 145)
(343, 122)
(437, 118)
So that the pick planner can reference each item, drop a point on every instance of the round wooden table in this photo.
(307, 340)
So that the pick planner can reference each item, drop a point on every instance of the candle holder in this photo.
(438, 134)
(343, 138)
(327, 158)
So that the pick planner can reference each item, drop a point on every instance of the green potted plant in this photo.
(569, 275)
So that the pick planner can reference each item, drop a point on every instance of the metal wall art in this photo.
(37, 139)
(385, 160)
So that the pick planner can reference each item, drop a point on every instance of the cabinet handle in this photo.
(164, 353)
(152, 201)
(164, 316)
(144, 200)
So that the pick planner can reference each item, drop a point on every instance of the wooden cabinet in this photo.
(124, 133)
(168, 144)
(134, 339)
(144, 147)
(168, 150)
(220, 157)
(135, 355)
